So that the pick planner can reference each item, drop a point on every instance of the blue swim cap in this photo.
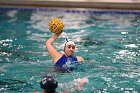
(48, 83)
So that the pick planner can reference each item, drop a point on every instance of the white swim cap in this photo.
(68, 42)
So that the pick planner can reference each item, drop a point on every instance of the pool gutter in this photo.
(98, 4)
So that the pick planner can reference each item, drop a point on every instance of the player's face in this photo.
(70, 49)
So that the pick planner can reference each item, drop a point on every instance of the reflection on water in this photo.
(89, 42)
(13, 85)
(109, 43)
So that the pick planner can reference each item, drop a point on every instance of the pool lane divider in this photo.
(94, 11)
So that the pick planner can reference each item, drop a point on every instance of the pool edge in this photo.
(73, 4)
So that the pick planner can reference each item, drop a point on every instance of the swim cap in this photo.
(68, 42)
(48, 83)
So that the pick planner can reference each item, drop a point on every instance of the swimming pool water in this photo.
(109, 41)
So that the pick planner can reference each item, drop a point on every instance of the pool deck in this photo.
(98, 4)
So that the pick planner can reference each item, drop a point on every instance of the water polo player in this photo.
(64, 61)
(49, 85)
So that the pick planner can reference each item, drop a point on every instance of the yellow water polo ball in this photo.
(56, 25)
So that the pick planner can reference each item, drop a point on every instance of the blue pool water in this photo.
(109, 41)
